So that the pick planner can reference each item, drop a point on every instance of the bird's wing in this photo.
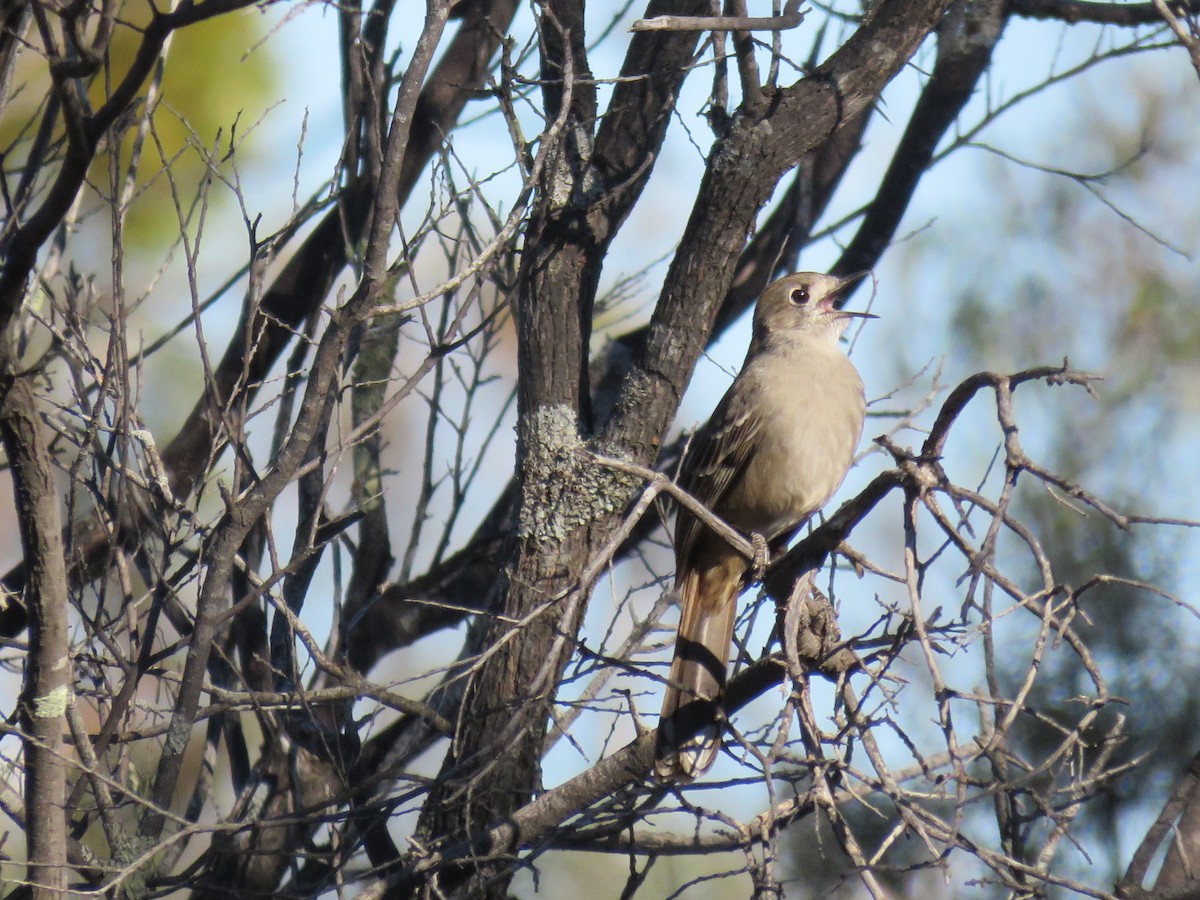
(716, 459)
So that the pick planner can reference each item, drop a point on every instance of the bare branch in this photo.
(791, 17)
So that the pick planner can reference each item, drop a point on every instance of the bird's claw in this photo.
(762, 556)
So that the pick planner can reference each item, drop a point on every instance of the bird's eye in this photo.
(800, 296)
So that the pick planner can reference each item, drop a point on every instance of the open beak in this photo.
(845, 285)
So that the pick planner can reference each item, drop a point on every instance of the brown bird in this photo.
(773, 452)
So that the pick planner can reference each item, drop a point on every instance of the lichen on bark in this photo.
(562, 486)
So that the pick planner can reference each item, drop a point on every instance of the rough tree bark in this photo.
(47, 687)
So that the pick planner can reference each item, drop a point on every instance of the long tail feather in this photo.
(689, 731)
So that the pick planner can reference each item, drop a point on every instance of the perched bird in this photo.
(773, 452)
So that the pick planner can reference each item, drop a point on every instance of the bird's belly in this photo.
(810, 455)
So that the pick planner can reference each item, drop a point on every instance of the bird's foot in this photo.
(762, 556)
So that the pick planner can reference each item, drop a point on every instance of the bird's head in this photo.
(805, 305)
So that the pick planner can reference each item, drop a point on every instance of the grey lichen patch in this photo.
(623, 483)
(177, 736)
(562, 185)
(563, 488)
(53, 704)
(641, 395)
(742, 154)
(883, 58)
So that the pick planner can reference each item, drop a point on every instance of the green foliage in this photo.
(212, 91)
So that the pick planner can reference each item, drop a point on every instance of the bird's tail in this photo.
(689, 731)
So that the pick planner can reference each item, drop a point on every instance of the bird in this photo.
(775, 449)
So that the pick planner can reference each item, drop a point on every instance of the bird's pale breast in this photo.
(813, 409)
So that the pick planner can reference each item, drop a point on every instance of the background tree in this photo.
(333, 631)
